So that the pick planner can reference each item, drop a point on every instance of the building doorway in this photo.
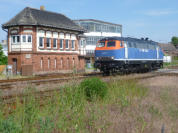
(14, 65)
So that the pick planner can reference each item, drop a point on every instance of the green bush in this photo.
(94, 88)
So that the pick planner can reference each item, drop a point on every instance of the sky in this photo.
(155, 19)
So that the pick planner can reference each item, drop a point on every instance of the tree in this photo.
(3, 58)
(174, 41)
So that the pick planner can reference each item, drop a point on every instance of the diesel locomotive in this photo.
(125, 54)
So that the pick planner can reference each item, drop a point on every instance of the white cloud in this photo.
(160, 12)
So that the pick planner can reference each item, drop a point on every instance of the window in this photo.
(55, 63)
(41, 42)
(41, 63)
(61, 44)
(81, 43)
(48, 42)
(54, 43)
(67, 44)
(129, 45)
(24, 38)
(61, 63)
(48, 63)
(101, 44)
(68, 66)
(15, 39)
(29, 38)
(18, 39)
(111, 44)
(73, 44)
(73, 62)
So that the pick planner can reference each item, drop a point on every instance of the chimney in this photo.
(42, 8)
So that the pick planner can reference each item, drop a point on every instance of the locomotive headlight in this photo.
(112, 57)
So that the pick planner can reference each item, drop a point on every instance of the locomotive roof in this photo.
(129, 39)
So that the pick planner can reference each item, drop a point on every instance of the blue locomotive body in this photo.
(127, 54)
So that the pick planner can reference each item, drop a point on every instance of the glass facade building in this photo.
(95, 31)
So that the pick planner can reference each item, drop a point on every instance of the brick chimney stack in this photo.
(42, 8)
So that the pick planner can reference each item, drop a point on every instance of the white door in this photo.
(126, 51)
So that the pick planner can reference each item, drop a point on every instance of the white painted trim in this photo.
(57, 51)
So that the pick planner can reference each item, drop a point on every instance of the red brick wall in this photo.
(64, 66)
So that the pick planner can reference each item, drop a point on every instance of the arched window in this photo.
(41, 63)
(68, 66)
(49, 63)
(55, 63)
(73, 62)
(61, 63)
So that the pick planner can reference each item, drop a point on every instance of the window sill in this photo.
(41, 47)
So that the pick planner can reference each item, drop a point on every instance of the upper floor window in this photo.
(61, 44)
(73, 44)
(15, 39)
(67, 44)
(27, 38)
(48, 42)
(41, 42)
(54, 43)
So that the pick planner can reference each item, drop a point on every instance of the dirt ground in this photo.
(157, 112)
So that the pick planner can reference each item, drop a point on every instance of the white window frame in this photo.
(73, 44)
(61, 40)
(26, 38)
(15, 39)
(49, 42)
(42, 42)
(23, 38)
(68, 43)
(56, 43)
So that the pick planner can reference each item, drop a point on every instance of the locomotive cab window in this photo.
(101, 44)
(111, 44)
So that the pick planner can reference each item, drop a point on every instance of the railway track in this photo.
(9, 85)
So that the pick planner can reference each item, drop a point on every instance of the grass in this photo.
(70, 110)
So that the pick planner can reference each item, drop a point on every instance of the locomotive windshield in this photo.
(101, 44)
(111, 44)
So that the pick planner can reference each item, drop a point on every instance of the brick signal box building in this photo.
(40, 41)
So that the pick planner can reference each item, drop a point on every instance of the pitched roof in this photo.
(167, 47)
(31, 16)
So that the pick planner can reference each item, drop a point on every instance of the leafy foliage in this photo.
(94, 87)
(174, 41)
(3, 58)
